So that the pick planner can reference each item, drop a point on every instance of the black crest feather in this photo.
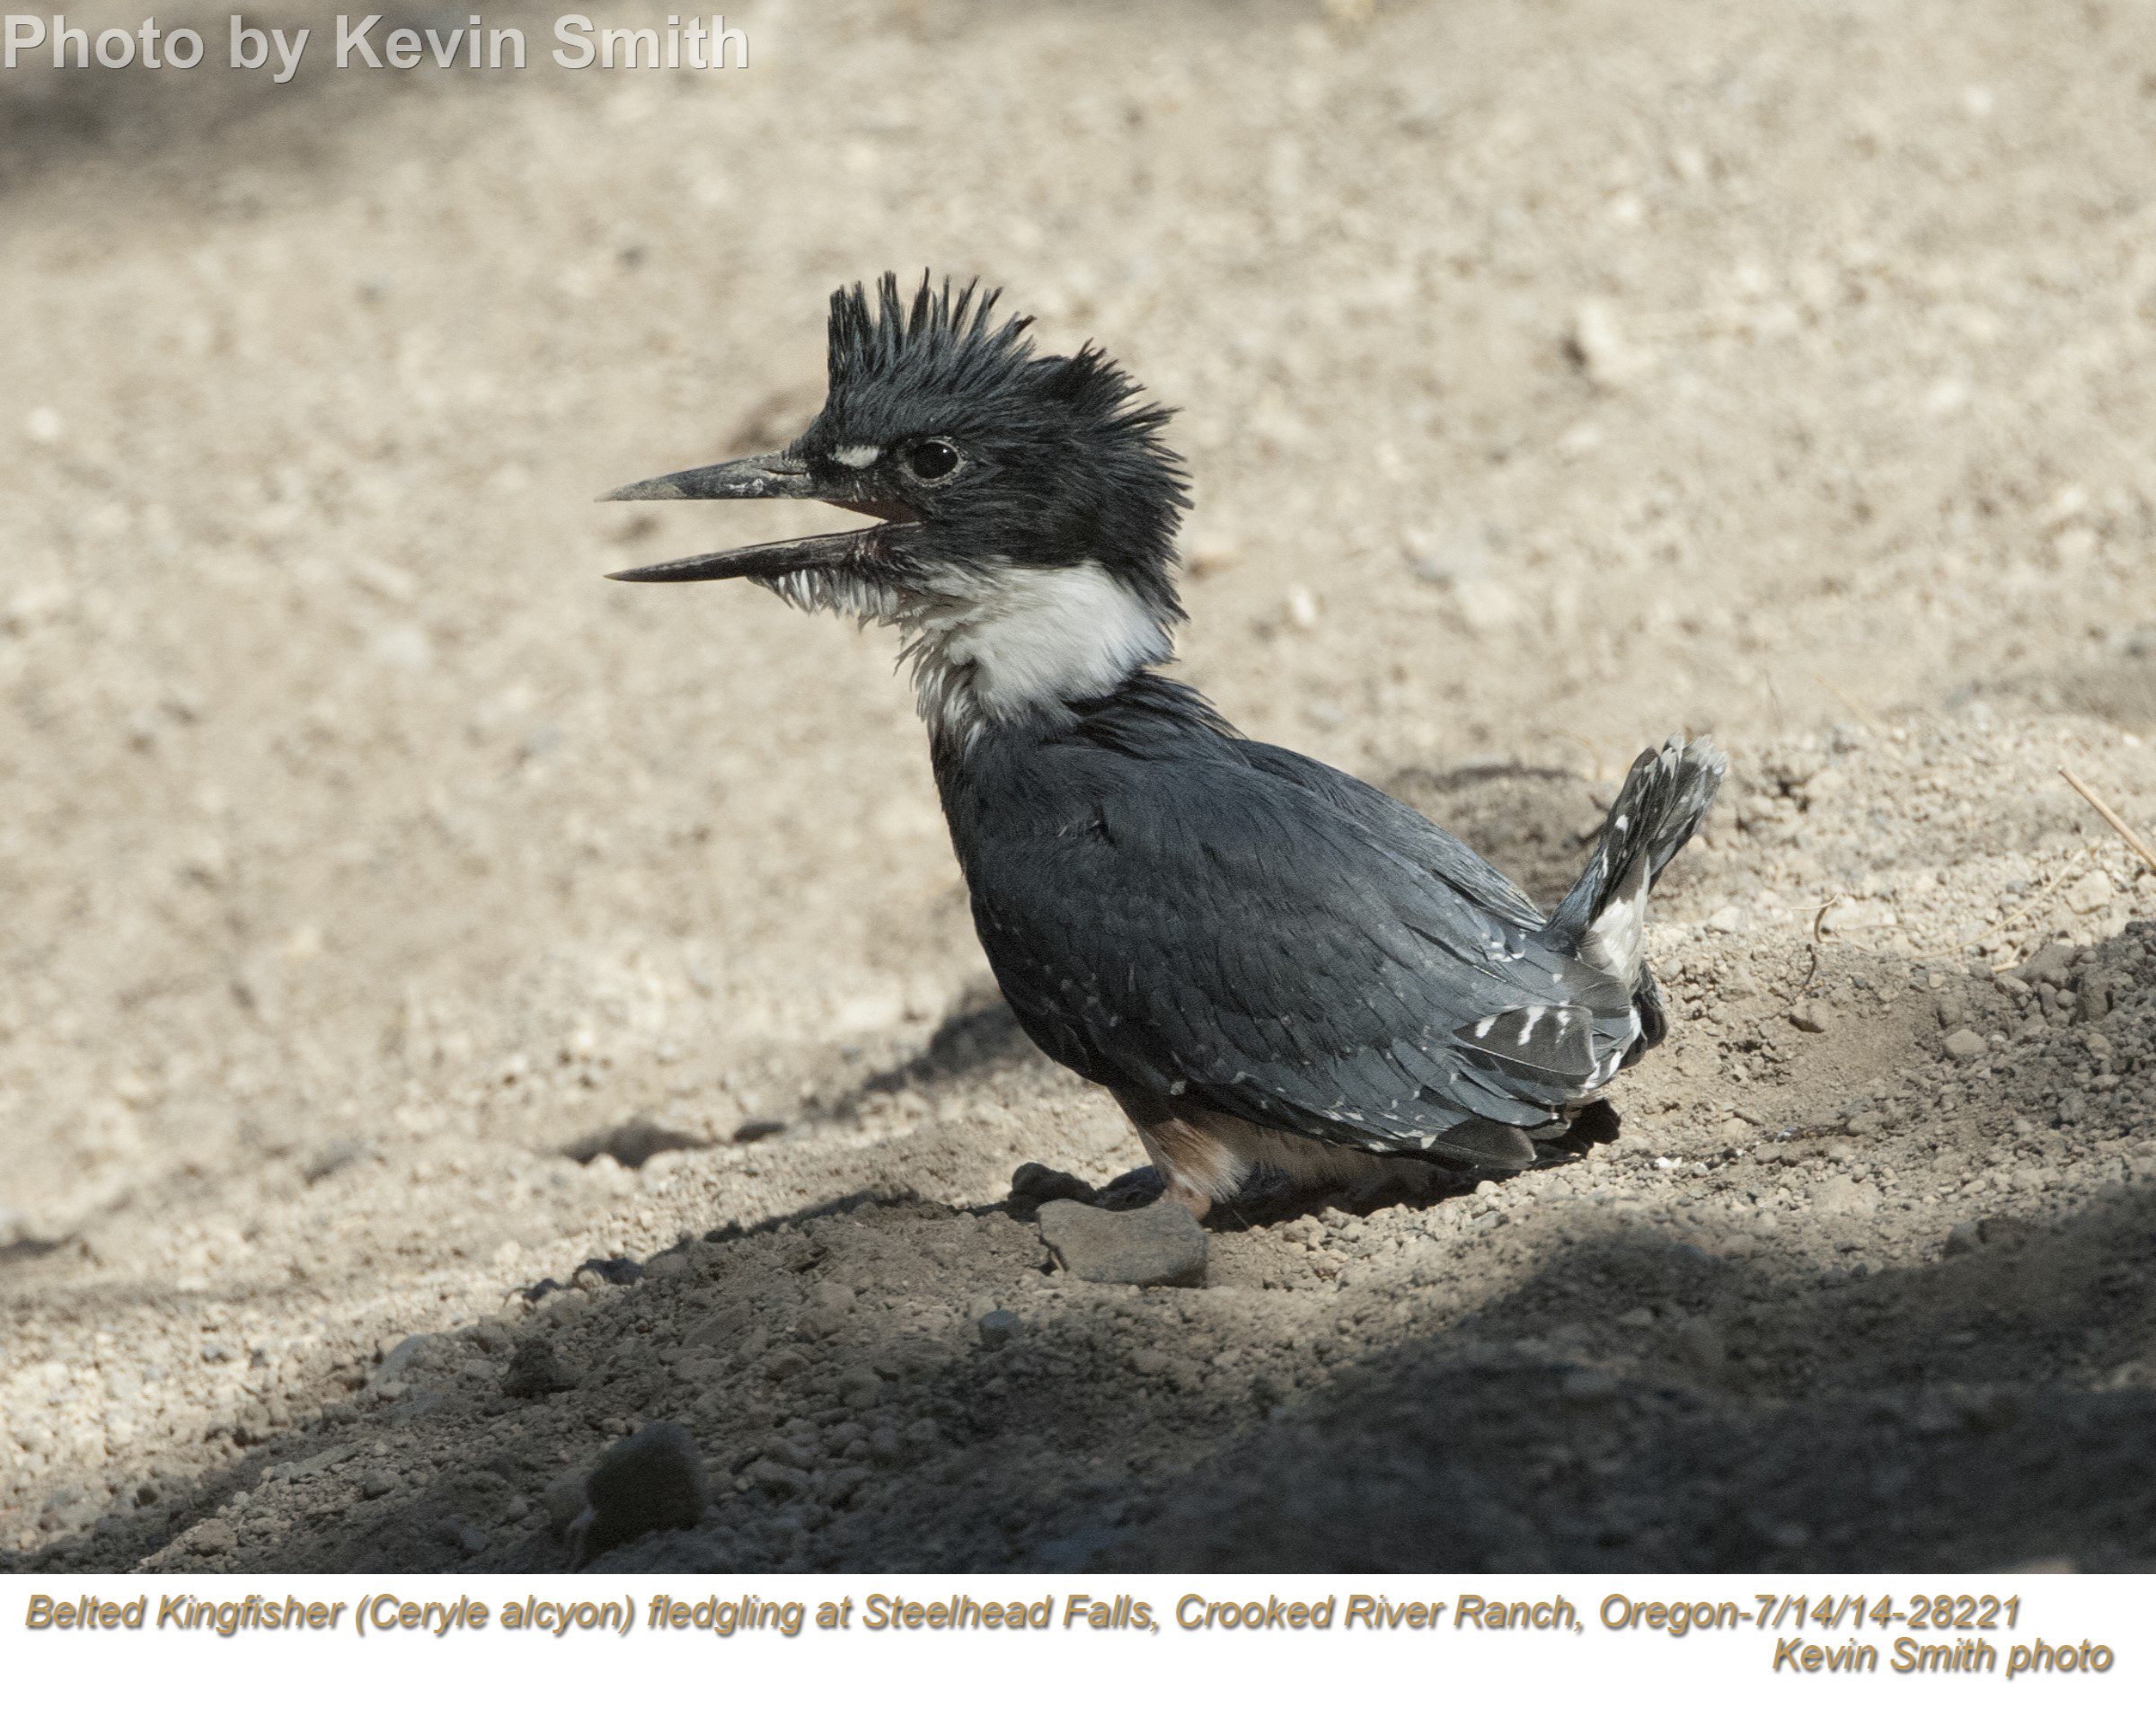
(944, 340)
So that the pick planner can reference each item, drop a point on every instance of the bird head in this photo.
(1025, 507)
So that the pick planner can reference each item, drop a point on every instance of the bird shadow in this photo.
(1619, 1393)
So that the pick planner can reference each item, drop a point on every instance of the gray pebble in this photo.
(379, 1483)
(1161, 1245)
(784, 1362)
(535, 1370)
(998, 1327)
(1965, 1045)
(652, 1480)
(777, 1476)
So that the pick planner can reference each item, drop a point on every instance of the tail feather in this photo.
(1664, 797)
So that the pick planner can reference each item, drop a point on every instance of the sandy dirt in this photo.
(455, 1013)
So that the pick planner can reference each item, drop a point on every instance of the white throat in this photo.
(998, 643)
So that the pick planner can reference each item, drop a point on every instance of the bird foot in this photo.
(1034, 1183)
(1133, 1190)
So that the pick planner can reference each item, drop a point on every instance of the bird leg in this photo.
(1204, 1157)
(1197, 1167)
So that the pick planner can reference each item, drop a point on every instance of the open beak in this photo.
(760, 476)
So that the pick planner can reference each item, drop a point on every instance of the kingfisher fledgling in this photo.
(1268, 962)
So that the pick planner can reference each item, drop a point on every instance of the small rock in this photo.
(378, 1483)
(829, 1301)
(1965, 1045)
(1600, 348)
(2091, 892)
(1728, 920)
(2099, 996)
(565, 1502)
(784, 1362)
(1588, 1387)
(1207, 553)
(1701, 1344)
(779, 1476)
(2054, 965)
(998, 1327)
(213, 1537)
(517, 1509)
(1841, 1195)
(1161, 1245)
(1812, 1015)
(536, 1370)
(652, 1480)
(1963, 1238)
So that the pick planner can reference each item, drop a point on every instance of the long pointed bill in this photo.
(756, 476)
(826, 551)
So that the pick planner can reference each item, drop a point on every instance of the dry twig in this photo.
(2134, 842)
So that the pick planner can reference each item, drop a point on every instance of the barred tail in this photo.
(1666, 796)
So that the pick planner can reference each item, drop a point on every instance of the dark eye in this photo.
(932, 459)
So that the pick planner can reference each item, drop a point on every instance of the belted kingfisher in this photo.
(1268, 962)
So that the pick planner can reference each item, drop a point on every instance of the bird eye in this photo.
(932, 459)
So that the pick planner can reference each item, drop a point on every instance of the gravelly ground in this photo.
(402, 920)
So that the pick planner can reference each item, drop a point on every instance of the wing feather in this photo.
(1251, 935)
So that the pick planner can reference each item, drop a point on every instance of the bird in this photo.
(1268, 963)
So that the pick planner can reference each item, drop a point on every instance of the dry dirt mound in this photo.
(1865, 1283)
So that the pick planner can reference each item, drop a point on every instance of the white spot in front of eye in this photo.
(858, 454)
